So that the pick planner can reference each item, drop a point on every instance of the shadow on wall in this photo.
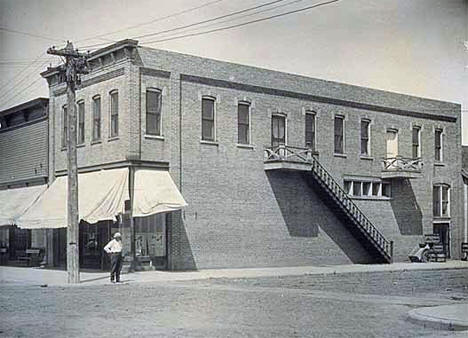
(406, 209)
(304, 211)
(180, 248)
(293, 197)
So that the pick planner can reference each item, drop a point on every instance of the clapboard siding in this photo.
(23, 152)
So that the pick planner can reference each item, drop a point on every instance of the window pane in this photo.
(357, 189)
(207, 109)
(415, 135)
(366, 189)
(436, 200)
(114, 114)
(438, 145)
(364, 146)
(81, 125)
(64, 126)
(207, 130)
(347, 187)
(375, 188)
(445, 201)
(243, 136)
(153, 100)
(365, 129)
(386, 190)
(310, 131)
(243, 113)
(243, 123)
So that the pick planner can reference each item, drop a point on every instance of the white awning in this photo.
(101, 196)
(14, 202)
(155, 192)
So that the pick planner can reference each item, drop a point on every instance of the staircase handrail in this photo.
(380, 236)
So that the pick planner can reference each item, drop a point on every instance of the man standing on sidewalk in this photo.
(114, 248)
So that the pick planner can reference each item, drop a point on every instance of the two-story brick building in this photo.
(276, 169)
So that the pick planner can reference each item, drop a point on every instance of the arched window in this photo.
(243, 122)
(153, 111)
(114, 113)
(96, 118)
(81, 122)
(208, 119)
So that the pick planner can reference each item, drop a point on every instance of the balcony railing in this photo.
(283, 152)
(401, 167)
(400, 163)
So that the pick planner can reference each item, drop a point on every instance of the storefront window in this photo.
(150, 236)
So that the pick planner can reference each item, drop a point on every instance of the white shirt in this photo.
(114, 246)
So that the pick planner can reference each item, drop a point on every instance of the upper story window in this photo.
(441, 200)
(153, 112)
(438, 146)
(310, 130)
(208, 119)
(365, 137)
(243, 123)
(416, 142)
(339, 135)
(81, 122)
(114, 113)
(96, 118)
(278, 130)
(64, 126)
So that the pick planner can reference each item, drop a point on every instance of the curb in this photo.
(423, 316)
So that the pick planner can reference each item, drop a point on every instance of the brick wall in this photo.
(238, 214)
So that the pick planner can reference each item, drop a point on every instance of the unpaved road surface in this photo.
(342, 305)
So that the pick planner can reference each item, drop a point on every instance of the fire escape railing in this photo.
(296, 154)
(400, 163)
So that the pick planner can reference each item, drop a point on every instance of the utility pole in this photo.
(75, 64)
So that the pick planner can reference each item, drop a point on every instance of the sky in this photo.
(413, 47)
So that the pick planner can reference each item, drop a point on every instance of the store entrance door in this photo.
(442, 229)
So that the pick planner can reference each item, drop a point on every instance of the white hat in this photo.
(117, 234)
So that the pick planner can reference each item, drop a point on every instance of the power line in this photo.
(12, 89)
(48, 38)
(23, 91)
(197, 23)
(244, 23)
(153, 21)
(250, 14)
(22, 71)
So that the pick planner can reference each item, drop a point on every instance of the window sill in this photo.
(245, 146)
(211, 143)
(114, 138)
(441, 219)
(371, 198)
(154, 137)
(81, 145)
(439, 164)
(340, 155)
(96, 142)
(367, 158)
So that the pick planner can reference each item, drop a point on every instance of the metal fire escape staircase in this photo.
(318, 178)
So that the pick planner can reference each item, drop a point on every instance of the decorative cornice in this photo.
(94, 80)
(310, 97)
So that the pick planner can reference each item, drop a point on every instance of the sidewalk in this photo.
(36, 276)
(446, 317)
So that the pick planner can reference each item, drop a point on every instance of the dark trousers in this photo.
(116, 266)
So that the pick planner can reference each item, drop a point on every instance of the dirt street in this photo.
(344, 305)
